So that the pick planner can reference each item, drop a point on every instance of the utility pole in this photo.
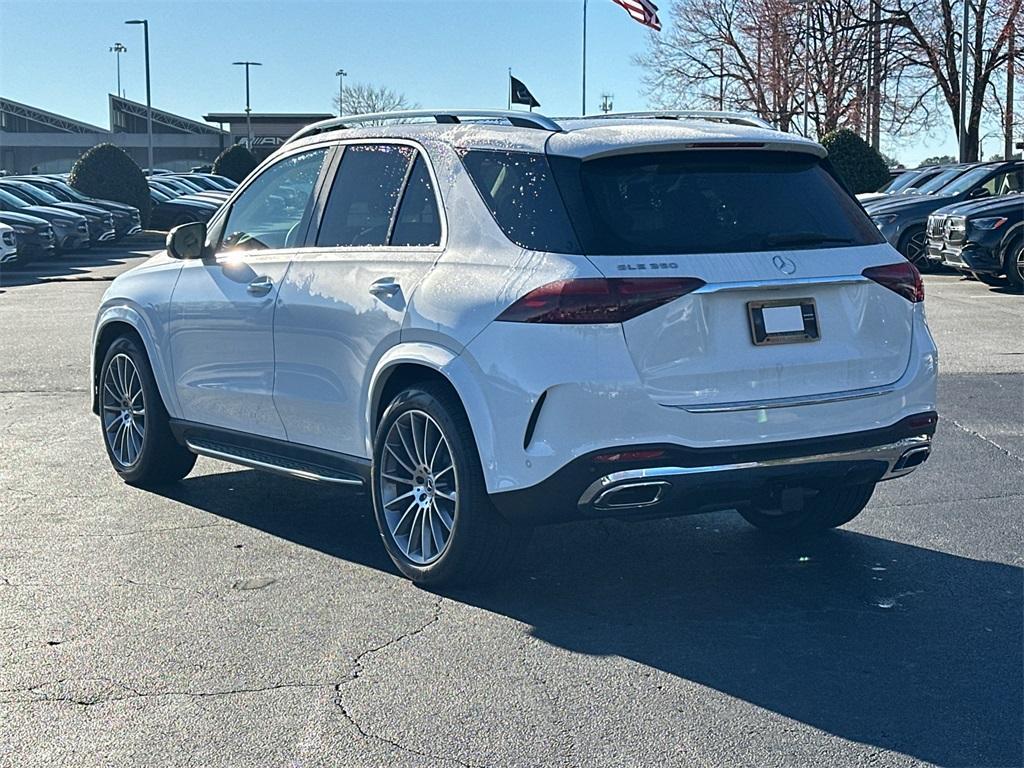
(606, 102)
(807, 66)
(117, 49)
(248, 111)
(1011, 49)
(721, 77)
(963, 83)
(583, 107)
(149, 100)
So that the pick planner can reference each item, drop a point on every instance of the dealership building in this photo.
(33, 139)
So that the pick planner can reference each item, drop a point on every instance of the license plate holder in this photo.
(783, 321)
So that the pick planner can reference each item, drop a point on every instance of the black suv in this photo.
(988, 241)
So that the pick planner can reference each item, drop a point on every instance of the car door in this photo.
(343, 301)
(222, 309)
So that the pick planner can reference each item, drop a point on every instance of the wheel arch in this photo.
(409, 363)
(113, 323)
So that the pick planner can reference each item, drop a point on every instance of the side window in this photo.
(365, 194)
(271, 210)
(1004, 183)
(418, 222)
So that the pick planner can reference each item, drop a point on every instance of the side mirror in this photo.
(187, 241)
(979, 192)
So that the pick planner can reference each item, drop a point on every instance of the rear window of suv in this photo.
(674, 202)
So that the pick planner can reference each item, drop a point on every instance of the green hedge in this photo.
(236, 162)
(107, 172)
(862, 168)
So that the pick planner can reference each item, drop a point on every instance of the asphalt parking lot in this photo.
(240, 619)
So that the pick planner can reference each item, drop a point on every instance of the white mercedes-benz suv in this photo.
(493, 320)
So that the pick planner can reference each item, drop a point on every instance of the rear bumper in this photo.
(683, 480)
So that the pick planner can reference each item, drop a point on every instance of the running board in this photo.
(269, 462)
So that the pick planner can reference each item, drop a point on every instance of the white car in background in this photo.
(491, 321)
(8, 244)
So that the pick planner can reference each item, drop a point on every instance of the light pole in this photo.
(248, 115)
(149, 100)
(118, 49)
(340, 74)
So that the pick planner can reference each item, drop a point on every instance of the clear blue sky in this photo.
(55, 55)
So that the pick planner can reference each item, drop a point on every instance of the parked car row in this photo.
(44, 216)
(183, 198)
(914, 210)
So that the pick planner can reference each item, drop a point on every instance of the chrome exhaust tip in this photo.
(632, 495)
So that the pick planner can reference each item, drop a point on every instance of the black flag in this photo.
(521, 94)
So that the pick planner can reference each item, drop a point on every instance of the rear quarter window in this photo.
(519, 191)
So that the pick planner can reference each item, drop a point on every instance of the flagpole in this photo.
(510, 87)
(583, 110)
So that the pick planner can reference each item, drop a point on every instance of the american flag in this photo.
(643, 11)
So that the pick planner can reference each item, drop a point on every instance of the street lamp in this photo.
(248, 117)
(149, 100)
(118, 49)
(340, 74)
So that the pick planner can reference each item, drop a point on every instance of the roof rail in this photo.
(736, 118)
(514, 117)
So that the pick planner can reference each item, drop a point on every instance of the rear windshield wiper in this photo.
(805, 238)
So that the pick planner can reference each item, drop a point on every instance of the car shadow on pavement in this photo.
(882, 643)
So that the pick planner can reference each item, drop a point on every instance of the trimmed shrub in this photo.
(861, 167)
(236, 162)
(107, 172)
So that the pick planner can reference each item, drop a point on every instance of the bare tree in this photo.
(362, 99)
(759, 48)
(934, 41)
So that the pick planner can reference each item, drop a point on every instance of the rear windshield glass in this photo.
(674, 202)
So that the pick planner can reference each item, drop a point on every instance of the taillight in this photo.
(902, 278)
(597, 299)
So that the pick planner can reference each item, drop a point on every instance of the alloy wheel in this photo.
(418, 486)
(917, 249)
(1020, 265)
(124, 410)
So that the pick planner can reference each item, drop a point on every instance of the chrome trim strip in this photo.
(256, 464)
(890, 453)
(769, 285)
(785, 402)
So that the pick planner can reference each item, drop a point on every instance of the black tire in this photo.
(914, 247)
(159, 458)
(1015, 266)
(185, 218)
(481, 544)
(993, 280)
(828, 509)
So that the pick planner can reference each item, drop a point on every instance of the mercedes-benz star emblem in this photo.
(784, 265)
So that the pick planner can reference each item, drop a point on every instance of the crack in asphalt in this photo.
(930, 503)
(357, 671)
(109, 690)
(984, 438)
(113, 687)
(117, 534)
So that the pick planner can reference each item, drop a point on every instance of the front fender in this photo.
(127, 313)
(449, 364)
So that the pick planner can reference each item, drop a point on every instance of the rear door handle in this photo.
(385, 288)
(260, 286)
